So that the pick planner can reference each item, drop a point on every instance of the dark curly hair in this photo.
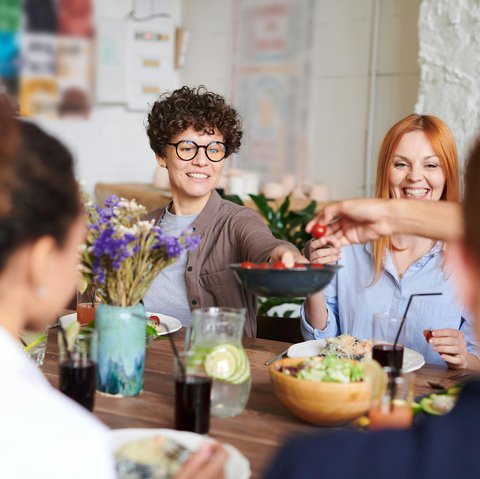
(188, 107)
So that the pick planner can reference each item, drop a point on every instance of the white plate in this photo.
(173, 324)
(412, 360)
(237, 466)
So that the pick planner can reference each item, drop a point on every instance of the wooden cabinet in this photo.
(144, 193)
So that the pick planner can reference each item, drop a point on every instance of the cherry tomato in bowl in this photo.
(300, 265)
(248, 265)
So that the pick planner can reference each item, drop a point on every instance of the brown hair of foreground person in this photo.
(8, 144)
(472, 203)
(43, 196)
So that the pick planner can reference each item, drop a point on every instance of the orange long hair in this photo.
(443, 144)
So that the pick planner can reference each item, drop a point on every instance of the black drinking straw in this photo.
(65, 343)
(172, 344)
(405, 317)
(396, 371)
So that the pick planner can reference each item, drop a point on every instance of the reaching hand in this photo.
(353, 221)
(288, 256)
(206, 463)
(318, 253)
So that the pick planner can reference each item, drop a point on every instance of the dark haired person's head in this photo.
(472, 202)
(196, 108)
(40, 233)
(467, 257)
(8, 146)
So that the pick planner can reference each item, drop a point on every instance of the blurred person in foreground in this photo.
(44, 434)
(417, 162)
(438, 447)
(192, 132)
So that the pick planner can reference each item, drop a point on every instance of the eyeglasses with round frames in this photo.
(187, 150)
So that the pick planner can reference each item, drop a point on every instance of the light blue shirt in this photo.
(351, 302)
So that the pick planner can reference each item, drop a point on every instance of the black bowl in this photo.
(286, 283)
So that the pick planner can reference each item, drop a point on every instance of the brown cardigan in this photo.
(230, 234)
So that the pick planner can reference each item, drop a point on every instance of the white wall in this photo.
(112, 146)
(449, 58)
(340, 76)
(209, 55)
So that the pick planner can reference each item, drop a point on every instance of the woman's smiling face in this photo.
(415, 170)
(192, 181)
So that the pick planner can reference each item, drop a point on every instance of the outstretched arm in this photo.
(363, 219)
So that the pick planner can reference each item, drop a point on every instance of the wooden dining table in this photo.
(257, 433)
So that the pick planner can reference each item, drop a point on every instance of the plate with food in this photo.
(160, 324)
(275, 279)
(349, 347)
(160, 453)
(439, 403)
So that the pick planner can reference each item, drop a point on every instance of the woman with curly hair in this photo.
(192, 131)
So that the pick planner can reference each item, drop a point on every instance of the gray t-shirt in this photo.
(168, 292)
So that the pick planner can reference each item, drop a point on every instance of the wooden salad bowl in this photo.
(317, 402)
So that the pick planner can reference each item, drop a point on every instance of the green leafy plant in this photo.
(285, 224)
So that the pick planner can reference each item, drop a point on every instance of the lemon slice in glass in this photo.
(221, 362)
(71, 332)
(41, 337)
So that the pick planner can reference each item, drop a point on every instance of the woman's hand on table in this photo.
(206, 463)
(451, 345)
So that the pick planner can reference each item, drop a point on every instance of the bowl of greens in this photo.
(324, 391)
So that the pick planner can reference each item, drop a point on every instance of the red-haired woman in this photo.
(417, 161)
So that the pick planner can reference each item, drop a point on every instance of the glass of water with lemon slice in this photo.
(35, 344)
(215, 336)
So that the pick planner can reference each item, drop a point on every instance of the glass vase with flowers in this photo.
(121, 257)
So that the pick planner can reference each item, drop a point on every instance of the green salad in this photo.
(328, 369)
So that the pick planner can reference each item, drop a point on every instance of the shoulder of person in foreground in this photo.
(54, 434)
(426, 451)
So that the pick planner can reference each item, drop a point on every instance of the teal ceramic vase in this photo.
(121, 349)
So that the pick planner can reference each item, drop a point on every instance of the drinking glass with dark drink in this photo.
(78, 366)
(387, 348)
(192, 393)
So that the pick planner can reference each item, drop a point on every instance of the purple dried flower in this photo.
(123, 254)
